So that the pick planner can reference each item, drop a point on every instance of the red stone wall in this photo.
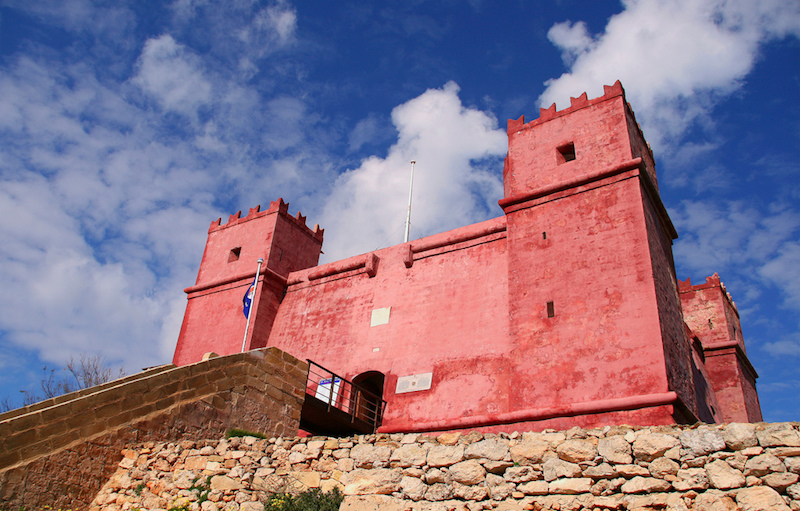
(712, 316)
(676, 345)
(449, 316)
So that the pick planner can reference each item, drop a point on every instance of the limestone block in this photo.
(641, 484)
(465, 492)
(712, 501)
(792, 464)
(629, 471)
(661, 467)
(413, 488)
(497, 467)
(570, 486)
(529, 452)
(434, 475)
(501, 491)
(534, 488)
(468, 472)
(438, 492)
(577, 450)
(443, 455)
(371, 503)
(794, 491)
(519, 474)
(224, 483)
(615, 449)
(702, 441)
(650, 446)
(601, 471)
(327, 485)
(378, 481)
(739, 436)
(251, 506)
(368, 456)
(763, 464)
(491, 449)
(607, 503)
(691, 479)
(780, 481)
(608, 486)
(723, 476)
(776, 435)
(555, 468)
(307, 479)
(410, 455)
(182, 479)
(760, 498)
(448, 438)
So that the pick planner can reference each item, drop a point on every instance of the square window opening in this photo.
(234, 255)
(566, 153)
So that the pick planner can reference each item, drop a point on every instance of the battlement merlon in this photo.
(278, 206)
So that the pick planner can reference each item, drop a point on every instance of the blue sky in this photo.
(126, 127)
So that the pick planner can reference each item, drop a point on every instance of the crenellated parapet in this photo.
(276, 206)
(711, 282)
(582, 101)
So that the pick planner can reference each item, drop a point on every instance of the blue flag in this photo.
(248, 299)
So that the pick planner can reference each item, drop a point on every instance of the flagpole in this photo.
(408, 214)
(250, 310)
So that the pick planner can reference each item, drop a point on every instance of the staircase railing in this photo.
(342, 394)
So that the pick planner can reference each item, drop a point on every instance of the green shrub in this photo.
(243, 432)
(310, 500)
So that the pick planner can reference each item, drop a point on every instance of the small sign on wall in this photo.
(414, 383)
(380, 316)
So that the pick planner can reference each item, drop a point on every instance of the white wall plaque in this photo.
(380, 316)
(413, 383)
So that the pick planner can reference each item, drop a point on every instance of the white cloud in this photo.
(367, 206)
(172, 75)
(753, 251)
(674, 57)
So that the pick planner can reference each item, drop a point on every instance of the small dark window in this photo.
(544, 235)
(551, 310)
(566, 153)
(234, 255)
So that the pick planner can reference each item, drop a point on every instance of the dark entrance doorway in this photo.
(368, 398)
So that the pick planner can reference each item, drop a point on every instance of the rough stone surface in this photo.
(577, 450)
(615, 449)
(702, 441)
(467, 472)
(776, 435)
(760, 498)
(711, 482)
(645, 485)
(763, 464)
(739, 436)
(723, 476)
(555, 468)
(489, 449)
(650, 446)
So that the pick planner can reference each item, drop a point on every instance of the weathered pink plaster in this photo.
(564, 311)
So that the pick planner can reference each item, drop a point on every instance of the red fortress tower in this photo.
(564, 311)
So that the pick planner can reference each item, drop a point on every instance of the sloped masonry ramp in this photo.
(60, 452)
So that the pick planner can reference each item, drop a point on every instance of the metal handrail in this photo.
(342, 394)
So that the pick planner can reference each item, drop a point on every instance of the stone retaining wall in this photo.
(60, 452)
(708, 468)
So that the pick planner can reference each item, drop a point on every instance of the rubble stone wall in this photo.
(678, 468)
(61, 454)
